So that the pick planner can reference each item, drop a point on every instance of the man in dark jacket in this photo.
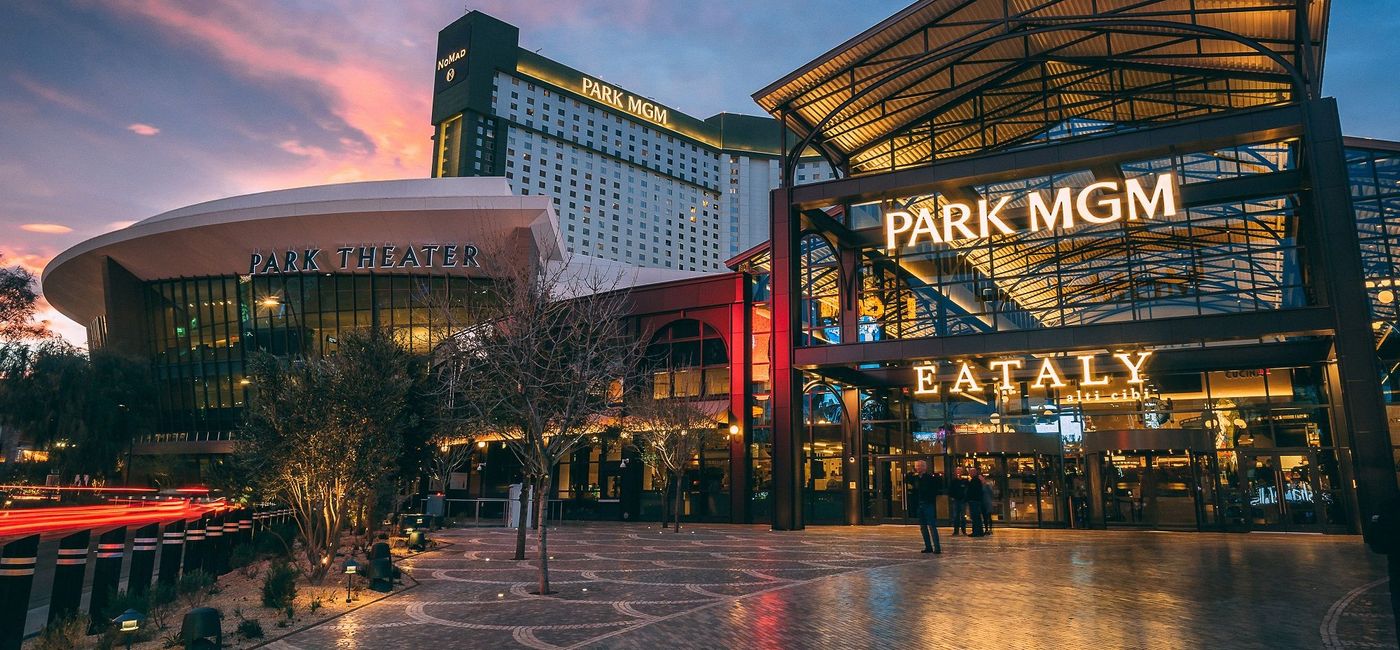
(957, 495)
(927, 487)
(974, 503)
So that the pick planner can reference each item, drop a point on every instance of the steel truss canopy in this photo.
(945, 78)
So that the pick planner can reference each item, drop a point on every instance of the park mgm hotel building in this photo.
(1119, 256)
(631, 179)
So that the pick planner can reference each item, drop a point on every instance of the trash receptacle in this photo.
(436, 508)
(201, 629)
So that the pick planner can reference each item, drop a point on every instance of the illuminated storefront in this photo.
(1118, 289)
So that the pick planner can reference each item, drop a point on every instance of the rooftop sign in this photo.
(625, 101)
(1098, 203)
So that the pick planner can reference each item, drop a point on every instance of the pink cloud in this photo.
(143, 129)
(47, 228)
(367, 84)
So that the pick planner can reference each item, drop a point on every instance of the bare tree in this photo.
(540, 367)
(667, 432)
(449, 453)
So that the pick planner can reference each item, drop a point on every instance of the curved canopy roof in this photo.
(944, 78)
(216, 237)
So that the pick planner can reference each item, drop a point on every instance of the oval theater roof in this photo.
(217, 238)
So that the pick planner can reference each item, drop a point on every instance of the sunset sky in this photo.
(113, 111)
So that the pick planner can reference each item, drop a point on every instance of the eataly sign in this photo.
(1048, 374)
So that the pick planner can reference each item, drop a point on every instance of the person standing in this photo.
(988, 498)
(927, 487)
(957, 496)
(973, 496)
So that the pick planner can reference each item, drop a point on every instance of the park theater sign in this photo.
(1096, 204)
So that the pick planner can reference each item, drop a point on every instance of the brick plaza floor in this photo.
(721, 586)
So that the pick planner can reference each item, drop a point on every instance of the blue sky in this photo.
(117, 110)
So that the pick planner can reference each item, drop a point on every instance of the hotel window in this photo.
(449, 147)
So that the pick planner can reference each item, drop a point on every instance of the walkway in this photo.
(717, 586)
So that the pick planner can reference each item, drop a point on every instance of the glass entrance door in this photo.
(1152, 489)
(1287, 490)
(889, 496)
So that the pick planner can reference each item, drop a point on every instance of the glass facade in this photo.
(1213, 258)
(1375, 196)
(202, 330)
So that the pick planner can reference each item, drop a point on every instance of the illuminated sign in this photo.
(451, 58)
(1048, 374)
(614, 96)
(451, 62)
(1098, 203)
(346, 258)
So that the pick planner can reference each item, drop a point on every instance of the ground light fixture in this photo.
(129, 623)
(351, 568)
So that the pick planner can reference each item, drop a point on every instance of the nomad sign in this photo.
(1098, 203)
(1048, 374)
(345, 258)
(625, 101)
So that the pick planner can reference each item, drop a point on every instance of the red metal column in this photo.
(739, 378)
(787, 382)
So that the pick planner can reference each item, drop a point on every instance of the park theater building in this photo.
(1117, 255)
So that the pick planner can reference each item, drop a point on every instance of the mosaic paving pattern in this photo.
(716, 586)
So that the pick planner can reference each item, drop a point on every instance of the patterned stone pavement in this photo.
(719, 586)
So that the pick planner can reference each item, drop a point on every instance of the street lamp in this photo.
(351, 568)
(129, 622)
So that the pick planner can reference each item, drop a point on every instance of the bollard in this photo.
(172, 551)
(106, 574)
(245, 526)
(16, 581)
(68, 575)
(194, 545)
(214, 542)
(143, 559)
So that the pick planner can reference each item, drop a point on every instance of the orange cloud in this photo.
(143, 129)
(47, 228)
(350, 67)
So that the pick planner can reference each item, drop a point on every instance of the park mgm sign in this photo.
(625, 101)
(1096, 204)
(363, 258)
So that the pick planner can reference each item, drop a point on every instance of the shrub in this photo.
(279, 586)
(242, 555)
(63, 634)
(120, 601)
(250, 629)
(194, 588)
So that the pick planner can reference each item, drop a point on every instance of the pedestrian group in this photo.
(969, 493)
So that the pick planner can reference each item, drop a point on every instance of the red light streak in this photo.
(45, 520)
(78, 488)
